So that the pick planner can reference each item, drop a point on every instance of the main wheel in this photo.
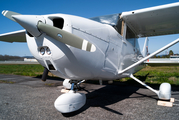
(165, 91)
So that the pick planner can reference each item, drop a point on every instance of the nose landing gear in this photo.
(71, 101)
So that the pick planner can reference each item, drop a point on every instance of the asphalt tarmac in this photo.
(28, 98)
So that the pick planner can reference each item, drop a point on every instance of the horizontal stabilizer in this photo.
(145, 48)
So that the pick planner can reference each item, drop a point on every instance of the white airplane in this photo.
(103, 48)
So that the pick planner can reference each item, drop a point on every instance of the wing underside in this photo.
(154, 21)
(17, 36)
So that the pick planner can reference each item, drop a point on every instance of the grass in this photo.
(8, 82)
(50, 84)
(25, 70)
(150, 75)
(158, 75)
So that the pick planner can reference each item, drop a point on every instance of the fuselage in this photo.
(113, 51)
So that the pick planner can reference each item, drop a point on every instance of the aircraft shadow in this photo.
(51, 78)
(108, 95)
(111, 94)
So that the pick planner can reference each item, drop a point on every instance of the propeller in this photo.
(66, 37)
(36, 25)
(9, 14)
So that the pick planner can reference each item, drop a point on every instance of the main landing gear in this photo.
(72, 100)
(164, 92)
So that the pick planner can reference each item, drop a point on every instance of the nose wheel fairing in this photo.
(71, 101)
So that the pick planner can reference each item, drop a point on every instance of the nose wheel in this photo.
(72, 84)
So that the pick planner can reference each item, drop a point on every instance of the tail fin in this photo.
(145, 48)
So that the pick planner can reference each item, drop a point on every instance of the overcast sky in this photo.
(83, 8)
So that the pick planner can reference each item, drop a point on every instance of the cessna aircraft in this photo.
(103, 48)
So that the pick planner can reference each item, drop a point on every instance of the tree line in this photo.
(10, 58)
(165, 56)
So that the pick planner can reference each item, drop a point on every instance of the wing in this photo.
(154, 21)
(17, 36)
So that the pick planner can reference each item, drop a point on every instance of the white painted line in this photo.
(5, 12)
(84, 45)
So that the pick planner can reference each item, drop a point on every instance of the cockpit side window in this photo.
(130, 36)
(113, 20)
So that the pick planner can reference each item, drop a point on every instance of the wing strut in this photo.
(155, 91)
(151, 55)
